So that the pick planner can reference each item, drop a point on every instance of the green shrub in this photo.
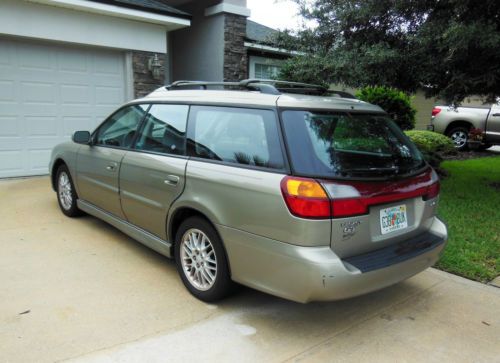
(432, 145)
(396, 103)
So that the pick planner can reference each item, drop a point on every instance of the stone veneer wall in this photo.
(235, 53)
(144, 82)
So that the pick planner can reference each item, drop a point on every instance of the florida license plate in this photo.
(393, 219)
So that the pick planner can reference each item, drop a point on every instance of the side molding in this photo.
(146, 238)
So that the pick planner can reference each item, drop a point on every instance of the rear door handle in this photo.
(496, 114)
(111, 167)
(171, 180)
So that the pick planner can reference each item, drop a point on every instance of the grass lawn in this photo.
(470, 206)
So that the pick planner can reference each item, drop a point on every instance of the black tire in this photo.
(463, 131)
(222, 285)
(485, 147)
(68, 206)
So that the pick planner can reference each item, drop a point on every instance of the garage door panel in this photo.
(74, 94)
(11, 162)
(72, 124)
(35, 57)
(7, 91)
(107, 64)
(49, 91)
(10, 127)
(108, 96)
(41, 126)
(39, 93)
(73, 61)
(38, 160)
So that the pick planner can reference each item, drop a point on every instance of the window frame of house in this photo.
(256, 60)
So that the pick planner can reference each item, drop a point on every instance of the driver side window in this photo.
(120, 129)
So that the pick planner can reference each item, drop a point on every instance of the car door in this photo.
(98, 164)
(152, 174)
(493, 125)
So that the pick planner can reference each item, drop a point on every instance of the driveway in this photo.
(77, 289)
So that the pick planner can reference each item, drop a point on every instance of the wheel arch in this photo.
(179, 215)
(458, 123)
(53, 173)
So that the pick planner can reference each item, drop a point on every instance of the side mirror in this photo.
(81, 137)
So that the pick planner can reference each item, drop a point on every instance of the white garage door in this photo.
(46, 93)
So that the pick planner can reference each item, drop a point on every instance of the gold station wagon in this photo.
(288, 188)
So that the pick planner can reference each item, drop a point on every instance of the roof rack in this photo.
(266, 86)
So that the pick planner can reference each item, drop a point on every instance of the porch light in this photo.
(154, 65)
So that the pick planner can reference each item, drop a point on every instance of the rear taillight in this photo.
(307, 198)
(435, 111)
(433, 189)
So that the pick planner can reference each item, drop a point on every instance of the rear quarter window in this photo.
(235, 136)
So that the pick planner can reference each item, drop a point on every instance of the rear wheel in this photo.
(201, 260)
(459, 135)
(66, 194)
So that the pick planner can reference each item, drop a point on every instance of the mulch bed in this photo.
(465, 155)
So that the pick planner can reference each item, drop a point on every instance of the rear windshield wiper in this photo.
(392, 170)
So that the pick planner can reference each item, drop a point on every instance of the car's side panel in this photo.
(474, 116)
(149, 183)
(97, 177)
(248, 200)
(493, 125)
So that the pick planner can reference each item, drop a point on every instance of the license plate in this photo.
(393, 219)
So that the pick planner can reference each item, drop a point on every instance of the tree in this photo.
(449, 48)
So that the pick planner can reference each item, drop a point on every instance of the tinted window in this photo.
(119, 130)
(348, 145)
(235, 135)
(164, 129)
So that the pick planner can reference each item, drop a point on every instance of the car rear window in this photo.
(348, 145)
(235, 135)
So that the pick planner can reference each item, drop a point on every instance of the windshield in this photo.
(348, 145)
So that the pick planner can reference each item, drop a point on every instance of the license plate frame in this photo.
(393, 219)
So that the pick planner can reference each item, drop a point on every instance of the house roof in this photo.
(152, 6)
(259, 33)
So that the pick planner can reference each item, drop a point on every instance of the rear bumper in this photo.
(306, 274)
(430, 127)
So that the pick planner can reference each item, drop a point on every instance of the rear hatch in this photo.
(379, 187)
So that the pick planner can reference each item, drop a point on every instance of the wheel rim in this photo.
(198, 259)
(459, 138)
(64, 190)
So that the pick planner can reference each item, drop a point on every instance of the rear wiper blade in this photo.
(393, 169)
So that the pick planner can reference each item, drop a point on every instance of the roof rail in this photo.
(267, 86)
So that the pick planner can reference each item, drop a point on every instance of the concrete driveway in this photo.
(77, 289)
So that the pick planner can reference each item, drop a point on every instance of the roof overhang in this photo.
(269, 49)
(169, 22)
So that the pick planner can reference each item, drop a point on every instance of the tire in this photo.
(485, 147)
(201, 260)
(459, 135)
(66, 194)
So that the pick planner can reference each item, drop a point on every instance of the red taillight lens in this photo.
(305, 198)
(435, 111)
(434, 188)
(308, 198)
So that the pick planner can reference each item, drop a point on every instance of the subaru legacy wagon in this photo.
(279, 186)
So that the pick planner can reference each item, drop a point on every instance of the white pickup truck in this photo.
(457, 122)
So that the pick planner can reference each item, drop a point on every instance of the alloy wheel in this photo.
(64, 191)
(198, 259)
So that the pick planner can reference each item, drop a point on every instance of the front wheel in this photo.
(459, 136)
(201, 260)
(66, 194)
